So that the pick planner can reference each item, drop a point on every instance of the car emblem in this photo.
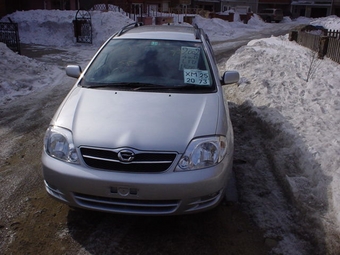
(126, 155)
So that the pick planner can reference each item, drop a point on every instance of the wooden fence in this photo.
(333, 34)
(311, 41)
(333, 49)
(325, 45)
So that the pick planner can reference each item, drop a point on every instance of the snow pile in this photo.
(48, 28)
(302, 117)
(23, 75)
(220, 30)
(55, 28)
(330, 22)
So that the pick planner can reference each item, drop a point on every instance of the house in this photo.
(7, 7)
(311, 8)
(2, 8)
(241, 6)
(208, 5)
(336, 8)
(278, 4)
(308, 8)
(147, 7)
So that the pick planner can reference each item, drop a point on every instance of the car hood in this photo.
(140, 120)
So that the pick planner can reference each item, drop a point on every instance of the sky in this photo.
(303, 110)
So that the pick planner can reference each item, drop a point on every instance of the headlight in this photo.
(58, 143)
(203, 152)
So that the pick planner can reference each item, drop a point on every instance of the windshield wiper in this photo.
(194, 87)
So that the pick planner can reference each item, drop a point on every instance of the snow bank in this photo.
(55, 28)
(302, 116)
(22, 75)
(330, 22)
(220, 30)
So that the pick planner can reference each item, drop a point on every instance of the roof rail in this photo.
(197, 31)
(129, 26)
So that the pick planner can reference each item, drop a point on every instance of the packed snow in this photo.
(289, 89)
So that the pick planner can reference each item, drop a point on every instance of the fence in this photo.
(104, 7)
(309, 40)
(325, 45)
(9, 34)
(333, 51)
(83, 27)
(333, 34)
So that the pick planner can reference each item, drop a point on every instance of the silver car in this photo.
(145, 129)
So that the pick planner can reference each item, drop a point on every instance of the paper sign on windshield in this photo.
(189, 57)
(197, 77)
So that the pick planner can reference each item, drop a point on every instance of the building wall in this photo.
(208, 5)
(312, 9)
(251, 4)
(280, 4)
(9, 6)
(336, 8)
(2, 8)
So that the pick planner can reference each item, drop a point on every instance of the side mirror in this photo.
(230, 77)
(73, 71)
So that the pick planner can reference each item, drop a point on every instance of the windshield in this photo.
(150, 65)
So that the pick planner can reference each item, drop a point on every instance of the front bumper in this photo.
(163, 193)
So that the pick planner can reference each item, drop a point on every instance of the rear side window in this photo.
(161, 62)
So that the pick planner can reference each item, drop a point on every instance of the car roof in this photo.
(166, 32)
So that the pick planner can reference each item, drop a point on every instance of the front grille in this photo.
(121, 205)
(142, 162)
